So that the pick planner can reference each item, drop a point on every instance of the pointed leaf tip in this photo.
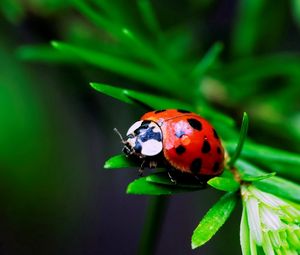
(213, 220)
(118, 161)
(93, 85)
(54, 44)
(224, 184)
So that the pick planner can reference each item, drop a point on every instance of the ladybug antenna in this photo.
(119, 134)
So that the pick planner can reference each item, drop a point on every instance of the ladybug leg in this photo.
(153, 164)
(200, 180)
(173, 180)
(141, 169)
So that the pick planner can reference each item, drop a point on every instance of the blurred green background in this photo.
(56, 132)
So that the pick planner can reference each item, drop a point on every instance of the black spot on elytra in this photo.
(196, 124)
(205, 147)
(216, 167)
(182, 111)
(179, 133)
(180, 149)
(158, 111)
(219, 150)
(215, 134)
(196, 166)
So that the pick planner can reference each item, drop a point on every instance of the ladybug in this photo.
(178, 139)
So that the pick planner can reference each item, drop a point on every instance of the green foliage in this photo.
(161, 60)
(118, 161)
(224, 184)
(159, 184)
(239, 147)
(275, 185)
(214, 219)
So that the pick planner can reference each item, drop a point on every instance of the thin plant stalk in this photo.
(151, 230)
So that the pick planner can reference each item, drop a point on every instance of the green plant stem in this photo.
(243, 134)
(152, 226)
(150, 19)
(207, 61)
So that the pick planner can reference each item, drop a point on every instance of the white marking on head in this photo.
(134, 127)
(151, 147)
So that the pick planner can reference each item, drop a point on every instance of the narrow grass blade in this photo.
(296, 11)
(111, 9)
(252, 150)
(274, 185)
(94, 17)
(210, 113)
(131, 41)
(280, 187)
(155, 58)
(242, 138)
(149, 18)
(12, 10)
(115, 64)
(45, 53)
(157, 102)
(224, 184)
(207, 61)
(257, 178)
(247, 27)
(115, 92)
(286, 64)
(148, 100)
(214, 219)
(264, 155)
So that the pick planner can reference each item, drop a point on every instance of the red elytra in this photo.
(190, 143)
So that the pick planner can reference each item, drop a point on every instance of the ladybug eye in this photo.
(130, 136)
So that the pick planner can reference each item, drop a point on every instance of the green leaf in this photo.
(225, 184)
(164, 179)
(207, 61)
(251, 178)
(143, 187)
(285, 64)
(280, 187)
(45, 53)
(296, 11)
(275, 185)
(13, 10)
(158, 102)
(242, 138)
(268, 156)
(119, 161)
(121, 66)
(130, 96)
(214, 219)
(155, 57)
(210, 113)
(149, 18)
(247, 27)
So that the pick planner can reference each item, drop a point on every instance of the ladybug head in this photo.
(143, 139)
